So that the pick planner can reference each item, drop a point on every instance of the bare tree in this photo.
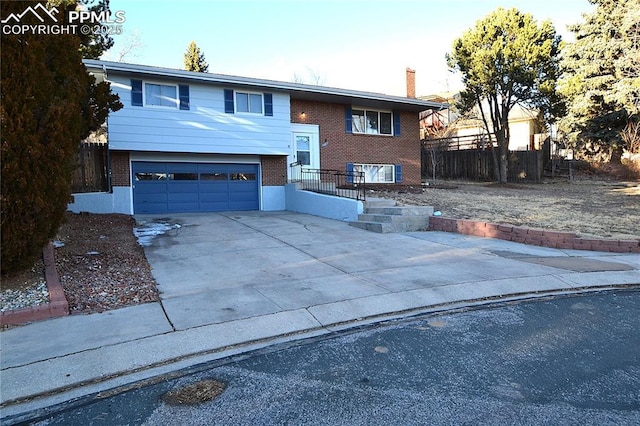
(631, 137)
(437, 140)
(131, 46)
(312, 77)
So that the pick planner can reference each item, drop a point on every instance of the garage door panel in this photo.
(176, 187)
(183, 207)
(191, 187)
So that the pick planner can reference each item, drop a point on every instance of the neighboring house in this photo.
(527, 131)
(188, 141)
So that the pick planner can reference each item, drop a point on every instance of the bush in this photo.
(49, 103)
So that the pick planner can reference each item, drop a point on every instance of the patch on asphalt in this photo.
(576, 264)
(195, 393)
(579, 264)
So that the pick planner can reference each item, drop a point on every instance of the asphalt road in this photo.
(568, 360)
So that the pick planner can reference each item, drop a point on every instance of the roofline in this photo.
(303, 90)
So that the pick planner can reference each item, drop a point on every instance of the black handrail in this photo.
(346, 184)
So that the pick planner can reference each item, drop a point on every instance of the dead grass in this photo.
(587, 206)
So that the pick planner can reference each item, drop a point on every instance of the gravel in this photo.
(33, 295)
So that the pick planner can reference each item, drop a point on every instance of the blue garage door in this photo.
(194, 187)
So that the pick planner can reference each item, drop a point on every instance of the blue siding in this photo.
(204, 128)
(167, 195)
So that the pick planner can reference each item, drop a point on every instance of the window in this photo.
(139, 176)
(249, 102)
(161, 95)
(213, 176)
(376, 173)
(183, 176)
(371, 122)
(243, 176)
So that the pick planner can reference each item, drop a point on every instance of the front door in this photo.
(304, 146)
(302, 149)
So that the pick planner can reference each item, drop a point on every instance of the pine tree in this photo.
(602, 78)
(194, 59)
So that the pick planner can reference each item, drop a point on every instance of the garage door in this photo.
(194, 187)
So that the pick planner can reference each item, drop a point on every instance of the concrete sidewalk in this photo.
(234, 282)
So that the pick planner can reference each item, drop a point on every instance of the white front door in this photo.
(305, 149)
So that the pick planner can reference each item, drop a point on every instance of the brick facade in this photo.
(337, 147)
(274, 170)
(120, 169)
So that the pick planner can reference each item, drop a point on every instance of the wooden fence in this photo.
(91, 168)
(477, 164)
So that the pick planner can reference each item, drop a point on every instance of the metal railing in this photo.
(346, 184)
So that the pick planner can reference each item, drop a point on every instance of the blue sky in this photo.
(355, 44)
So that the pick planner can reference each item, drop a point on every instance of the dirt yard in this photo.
(100, 264)
(591, 208)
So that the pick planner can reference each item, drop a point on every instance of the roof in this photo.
(296, 91)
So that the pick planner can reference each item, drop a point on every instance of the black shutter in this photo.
(228, 101)
(396, 123)
(184, 96)
(136, 92)
(350, 173)
(268, 104)
(398, 173)
(347, 119)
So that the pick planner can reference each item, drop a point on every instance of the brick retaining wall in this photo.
(533, 236)
(57, 306)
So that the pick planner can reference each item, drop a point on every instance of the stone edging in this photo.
(533, 236)
(57, 306)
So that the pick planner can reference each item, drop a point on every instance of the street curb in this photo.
(532, 236)
(57, 306)
(104, 386)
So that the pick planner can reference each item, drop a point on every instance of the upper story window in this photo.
(372, 122)
(160, 95)
(249, 102)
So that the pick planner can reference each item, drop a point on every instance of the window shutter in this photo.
(228, 101)
(184, 96)
(396, 123)
(398, 173)
(136, 92)
(347, 119)
(268, 104)
(350, 171)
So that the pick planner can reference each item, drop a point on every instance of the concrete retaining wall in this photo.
(322, 205)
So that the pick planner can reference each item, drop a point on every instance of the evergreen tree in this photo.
(507, 59)
(194, 59)
(49, 104)
(602, 77)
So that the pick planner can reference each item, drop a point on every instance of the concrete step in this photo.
(401, 210)
(378, 227)
(379, 202)
(383, 218)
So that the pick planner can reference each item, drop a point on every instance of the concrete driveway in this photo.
(222, 267)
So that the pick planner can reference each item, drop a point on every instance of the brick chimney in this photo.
(411, 83)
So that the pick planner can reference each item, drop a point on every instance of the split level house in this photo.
(189, 142)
